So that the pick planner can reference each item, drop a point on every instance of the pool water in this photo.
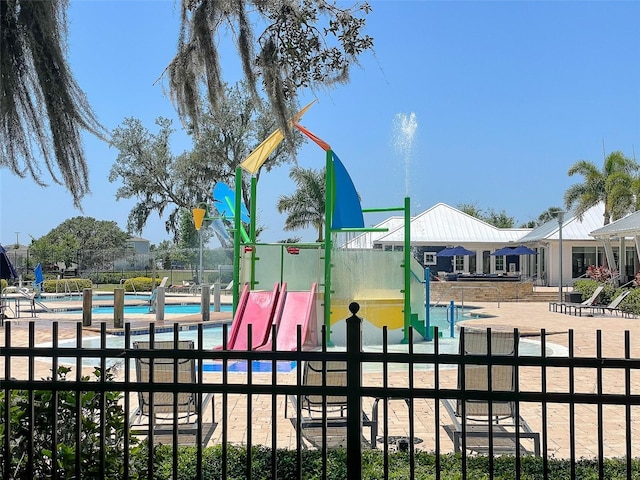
(212, 337)
(185, 309)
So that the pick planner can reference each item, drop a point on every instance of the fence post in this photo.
(354, 397)
(205, 302)
(118, 307)
(87, 305)
(160, 304)
(216, 297)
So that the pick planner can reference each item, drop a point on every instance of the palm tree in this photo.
(606, 185)
(624, 192)
(305, 207)
(42, 109)
(549, 214)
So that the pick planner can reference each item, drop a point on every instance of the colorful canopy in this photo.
(224, 199)
(257, 158)
(347, 212)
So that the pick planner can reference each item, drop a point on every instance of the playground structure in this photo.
(380, 281)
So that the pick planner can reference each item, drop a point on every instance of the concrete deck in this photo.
(529, 318)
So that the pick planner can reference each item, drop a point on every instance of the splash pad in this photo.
(386, 284)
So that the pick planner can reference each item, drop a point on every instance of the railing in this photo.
(133, 284)
(66, 286)
(18, 297)
(597, 391)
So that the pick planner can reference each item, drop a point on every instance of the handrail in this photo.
(66, 284)
(416, 278)
(133, 285)
(22, 292)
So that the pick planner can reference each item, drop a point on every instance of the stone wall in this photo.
(444, 292)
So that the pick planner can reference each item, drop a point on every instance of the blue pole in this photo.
(452, 310)
(427, 302)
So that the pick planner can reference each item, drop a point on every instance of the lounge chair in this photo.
(613, 307)
(156, 413)
(184, 287)
(478, 424)
(328, 412)
(567, 307)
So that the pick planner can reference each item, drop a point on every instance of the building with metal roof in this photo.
(443, 226)
(624, 230)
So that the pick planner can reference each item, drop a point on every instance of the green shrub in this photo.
(3, 284)
(504, 467)
(631, 304)
(61, 286)
(56, 411)
(139, 284)
(105, 277)
(112, 277)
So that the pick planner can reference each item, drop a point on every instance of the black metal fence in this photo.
(63, 418)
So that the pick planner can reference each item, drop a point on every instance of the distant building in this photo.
(443, 226)
(139, 245)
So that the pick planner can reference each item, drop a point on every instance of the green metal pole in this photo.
(282, 263)
(236, 242)
(407, 269)
(252, 228)
(328, 213)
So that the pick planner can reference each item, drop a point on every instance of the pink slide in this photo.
(255, 308)
(293, 309)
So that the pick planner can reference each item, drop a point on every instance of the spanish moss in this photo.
(42, 109)
(301, 44)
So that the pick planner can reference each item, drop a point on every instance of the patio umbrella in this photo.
(504, 251)
(6, 269)
(454, 252)
(39, 281)
(522, 250)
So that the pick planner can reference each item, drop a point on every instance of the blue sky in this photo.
(505, 96)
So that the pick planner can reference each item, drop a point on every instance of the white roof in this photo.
(365, 240)
(443, 224)
(627, 226)
(572, 227)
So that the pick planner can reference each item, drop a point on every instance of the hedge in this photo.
(631, 304)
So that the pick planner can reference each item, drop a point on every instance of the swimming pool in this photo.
(184, 309)
(212, 337)
(180, 309)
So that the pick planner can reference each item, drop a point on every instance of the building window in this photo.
(630, 262)
(398, 248)
(581, 259)
(499, 263)
(459, 263)
(430, 258)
